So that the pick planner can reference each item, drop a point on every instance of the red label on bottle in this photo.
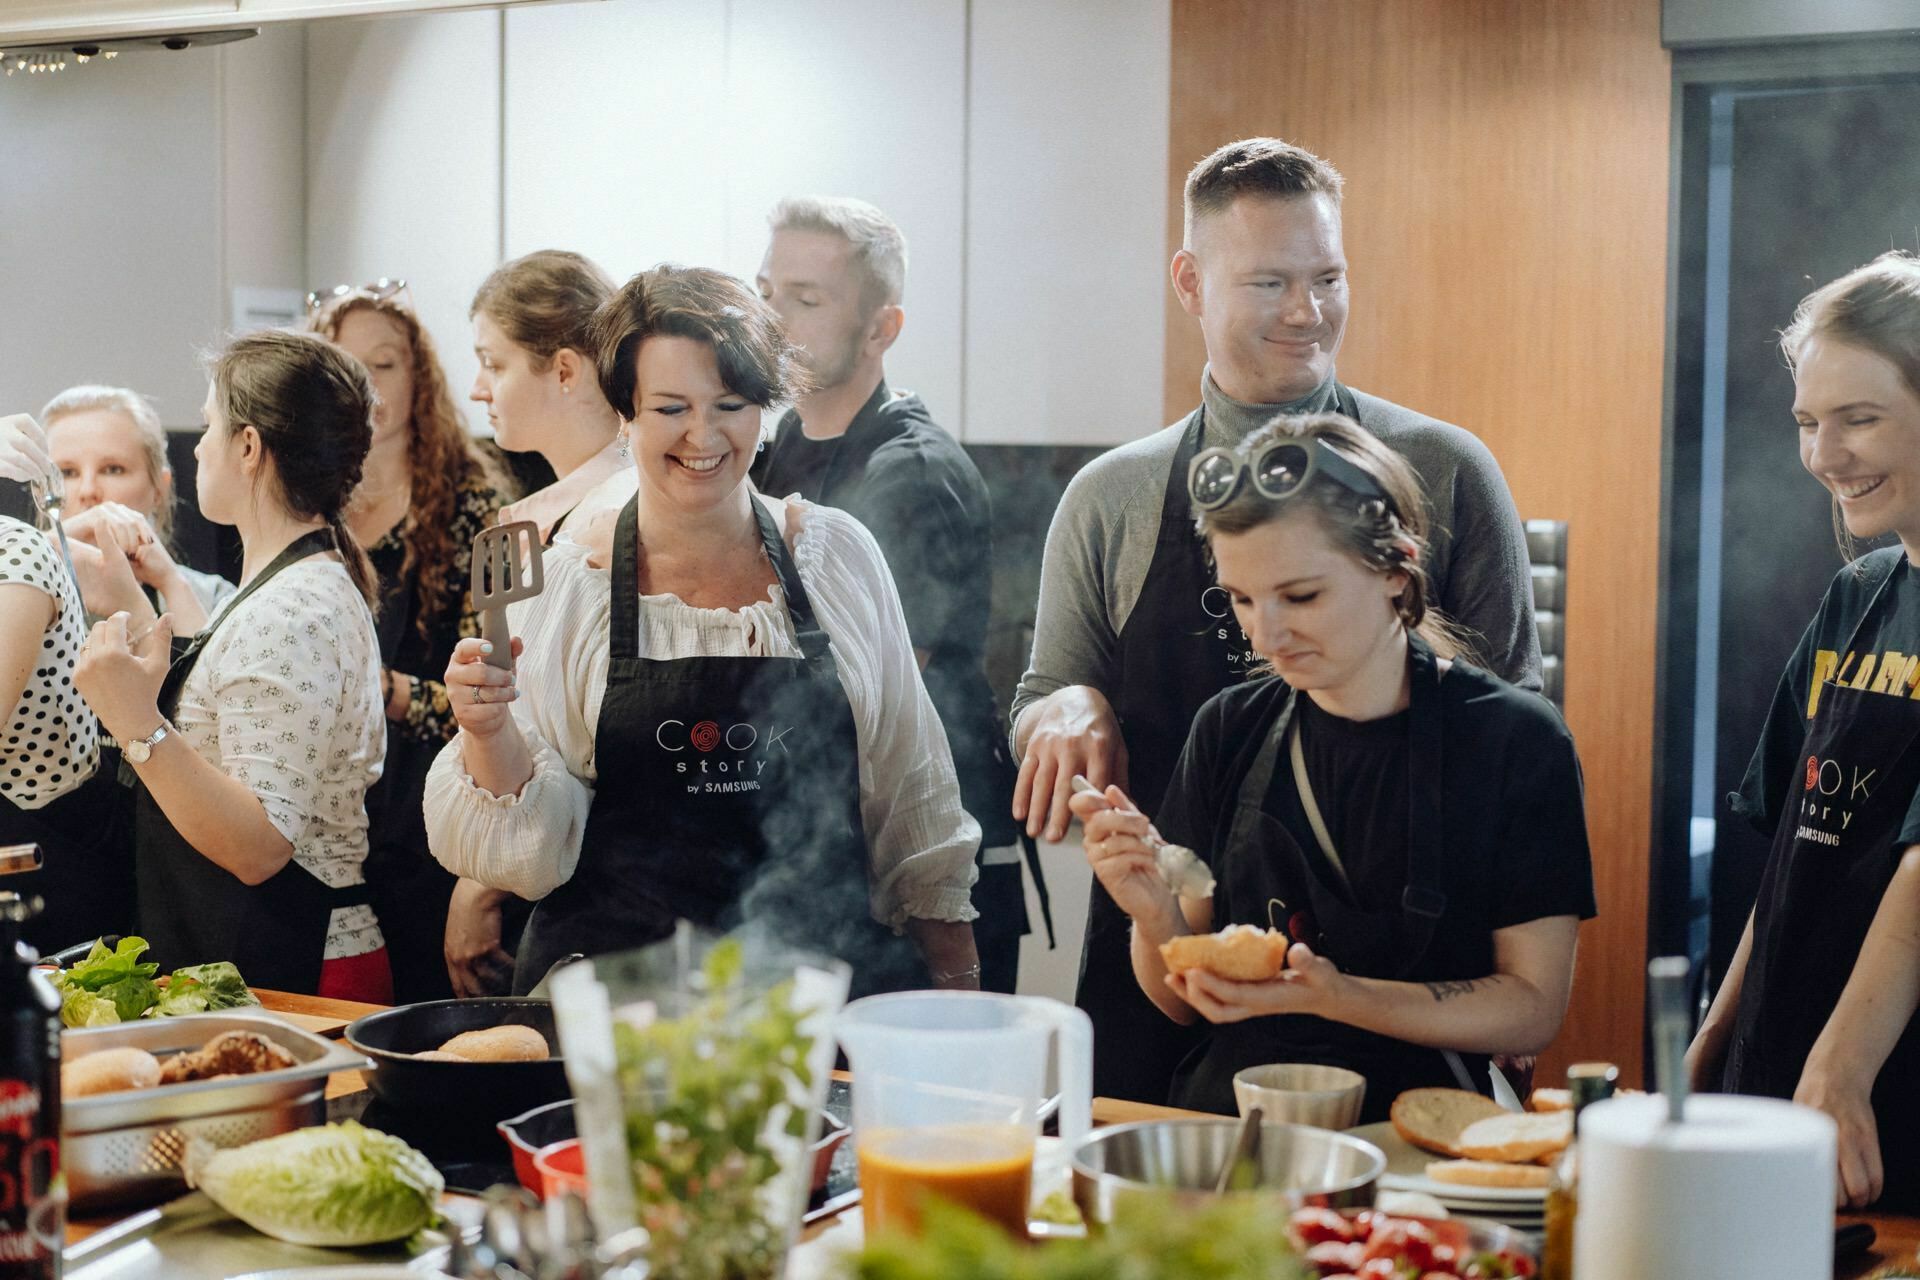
(30, 1216)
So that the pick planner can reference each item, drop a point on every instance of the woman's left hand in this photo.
(1861, 1176)
(1310, 983)
(120, 679)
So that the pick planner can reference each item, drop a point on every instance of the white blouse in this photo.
(286, 697)
(920, 841)
(51, 742)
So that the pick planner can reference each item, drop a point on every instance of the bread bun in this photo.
(109, 1071)
(1433, 1119)
(1518, 1137)
(1240, 952)
(441, 1055)
(510, 1043)
(1551, 1100)
(1487, 1173)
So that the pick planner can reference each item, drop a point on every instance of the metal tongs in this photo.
(521, 1239)
(50, 496)
(1180, 868)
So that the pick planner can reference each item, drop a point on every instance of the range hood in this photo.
(52, 22)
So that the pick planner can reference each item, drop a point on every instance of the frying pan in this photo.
(459, 1092)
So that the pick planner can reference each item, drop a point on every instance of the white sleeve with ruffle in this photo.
(529, 844)
(920, 841)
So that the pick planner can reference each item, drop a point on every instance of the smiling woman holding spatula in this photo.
(255, 746)
(726, 725)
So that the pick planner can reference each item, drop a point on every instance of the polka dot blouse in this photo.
(51, 742)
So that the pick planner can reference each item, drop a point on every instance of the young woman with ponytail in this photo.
(1413, 824)
(253, 747)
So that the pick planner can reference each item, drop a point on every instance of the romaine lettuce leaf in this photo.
(334, 1186)
(81, 1008)
(203, 988)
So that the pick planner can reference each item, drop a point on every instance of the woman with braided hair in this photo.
(1412, 823)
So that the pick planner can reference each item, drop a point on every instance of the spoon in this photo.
(1180, 867)
(1246, 1146)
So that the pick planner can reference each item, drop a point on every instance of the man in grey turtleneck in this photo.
(1132, 635)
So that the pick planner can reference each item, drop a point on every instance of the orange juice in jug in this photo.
(987, 1168)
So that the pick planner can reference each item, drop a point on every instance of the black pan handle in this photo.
(1852, 1240)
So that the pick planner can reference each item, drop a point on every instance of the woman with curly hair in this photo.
(426, 492)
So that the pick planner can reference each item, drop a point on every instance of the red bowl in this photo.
(532, 1132)
(561, 1167)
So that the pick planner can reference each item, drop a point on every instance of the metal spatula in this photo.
(506, 569)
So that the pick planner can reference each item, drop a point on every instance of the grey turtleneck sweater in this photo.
(1103, 535)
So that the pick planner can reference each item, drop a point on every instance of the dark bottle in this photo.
(33, 1197)
(1589, 1082)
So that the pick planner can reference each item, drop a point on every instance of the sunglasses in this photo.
(1279, 471)
(379, 291)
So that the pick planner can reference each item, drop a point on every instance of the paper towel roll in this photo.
(1743, 1188)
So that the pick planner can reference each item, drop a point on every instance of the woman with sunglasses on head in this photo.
(530, 332)
(428, 490)
(254, 748)
(1818, 1003)
(721, 718)
(1413, 824)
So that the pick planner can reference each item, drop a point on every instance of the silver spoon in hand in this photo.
(1180, 867)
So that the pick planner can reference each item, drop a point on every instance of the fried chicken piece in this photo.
(231, 1053)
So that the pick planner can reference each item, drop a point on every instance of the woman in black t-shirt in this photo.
(1818, 1004)
(1433, 869)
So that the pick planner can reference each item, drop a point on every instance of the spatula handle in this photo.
(493, 629)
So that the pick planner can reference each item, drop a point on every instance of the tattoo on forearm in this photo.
(1445, 991)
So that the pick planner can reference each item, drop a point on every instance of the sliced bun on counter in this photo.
(1486, 1173)
(1434, 1119)
(510, 1043)
(109, 1071)
(1550, 1100)
(1239, 952)
(1518, 1137)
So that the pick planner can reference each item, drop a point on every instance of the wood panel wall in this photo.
(1506, 222)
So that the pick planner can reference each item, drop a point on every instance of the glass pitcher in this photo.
(948, 1087)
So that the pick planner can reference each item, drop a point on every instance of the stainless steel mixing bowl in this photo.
(1296, 1166)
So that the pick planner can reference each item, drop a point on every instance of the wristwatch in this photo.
(140, 749)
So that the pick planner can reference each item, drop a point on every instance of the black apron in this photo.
(728, 792)
(193, 911)
(1179, 647)
(1305, 897)
(86, 843)
(1834, 854)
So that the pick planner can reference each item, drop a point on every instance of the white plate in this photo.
(1407, 1171)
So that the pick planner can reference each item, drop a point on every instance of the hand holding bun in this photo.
(1240, 953)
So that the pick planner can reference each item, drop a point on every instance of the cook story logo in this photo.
(1829, 797)
(1218, 606)
(717, 759)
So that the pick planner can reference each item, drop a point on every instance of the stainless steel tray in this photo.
(194, 1239)
(128, 1148)
(317, 1059)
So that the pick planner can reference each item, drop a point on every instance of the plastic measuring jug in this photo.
(947, 1092)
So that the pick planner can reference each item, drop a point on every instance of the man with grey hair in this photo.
(836, 271)
(1133, 634)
